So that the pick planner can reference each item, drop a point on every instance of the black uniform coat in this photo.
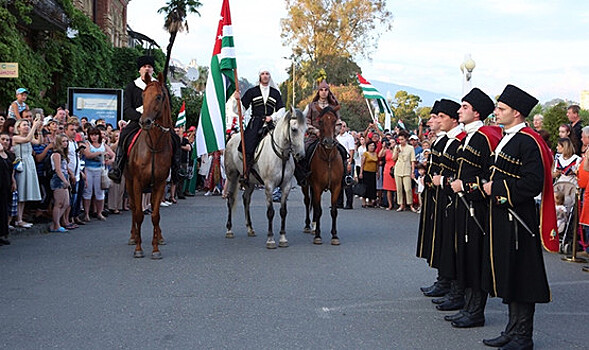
(260, 110)
(513, 263)
(446, 254)
(132, 99)
(473, 167)
(430, 219)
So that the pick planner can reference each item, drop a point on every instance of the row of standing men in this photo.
(480, 226)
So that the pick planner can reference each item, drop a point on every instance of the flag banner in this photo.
(210, 134)
(181, 115)
(371, 93)
(400, 124)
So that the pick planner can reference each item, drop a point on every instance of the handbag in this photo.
(359, 189)
(392, 172)
(18, 165)
(104, 179)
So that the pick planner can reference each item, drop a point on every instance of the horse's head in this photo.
(156, 104)
(298, 128)
(327, 120)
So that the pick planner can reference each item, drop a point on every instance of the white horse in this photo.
(275, 166)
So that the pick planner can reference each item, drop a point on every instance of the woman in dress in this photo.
(404, 155)
(27, 181)
(60, 182)
(368, 174)
(388, 181)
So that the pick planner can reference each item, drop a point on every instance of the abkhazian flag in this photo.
(210, 134)
(371, 93)
(181, 120)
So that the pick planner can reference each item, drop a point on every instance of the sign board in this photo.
(8, 70)
(96, 104)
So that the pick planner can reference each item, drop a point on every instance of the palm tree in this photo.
(176, 12)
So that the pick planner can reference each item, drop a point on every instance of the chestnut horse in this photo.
(149, 162)
(327, 171)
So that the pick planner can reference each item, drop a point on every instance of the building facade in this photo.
(110, 16)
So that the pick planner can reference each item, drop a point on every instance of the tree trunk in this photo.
(169, 54)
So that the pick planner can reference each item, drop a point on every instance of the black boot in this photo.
(474, 316)
(455, 316)
(454, 299)
(429, 288)
(116, 171)
(441, 288)
(302, 172)
(524, 327)
(505, 336)
(344, 154)
(249, 162)
(177, 173)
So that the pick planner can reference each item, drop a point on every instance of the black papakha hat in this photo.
(480, 102)
(435, 108)
(518, 99)
(143, 60)
(449, 107)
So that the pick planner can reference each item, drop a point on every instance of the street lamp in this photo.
(466, 68)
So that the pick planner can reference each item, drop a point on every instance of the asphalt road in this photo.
(84, 290)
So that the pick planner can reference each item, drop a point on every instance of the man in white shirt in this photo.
(346, 140)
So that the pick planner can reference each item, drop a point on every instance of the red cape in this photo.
(548, 226)
(493, 134)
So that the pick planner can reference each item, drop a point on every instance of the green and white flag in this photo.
(181, 120)
(210, 134)
(371, 93)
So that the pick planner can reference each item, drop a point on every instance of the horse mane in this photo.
(166, 118)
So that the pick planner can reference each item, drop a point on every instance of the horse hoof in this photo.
(307, 230)
(229, 234)
(317, 241)
(156, 255)
(138, 254)
(131, 242)
(251, 233)
(283, 244)
(162, 242)
(271, 245)
(335, 241)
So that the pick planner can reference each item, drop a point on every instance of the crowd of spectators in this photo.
(53, 169)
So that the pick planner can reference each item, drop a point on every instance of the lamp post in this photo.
(466, 68)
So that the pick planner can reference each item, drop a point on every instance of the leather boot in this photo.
(524, 327)
(455, 316)
(441, 300)
(506, 335)
(116, 171)
(455, 298)
(475, 311)
(441, 288)
(302, 172)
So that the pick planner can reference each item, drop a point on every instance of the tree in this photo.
(176, 12)
(328, 34)
(554, 117)
(319, 28)
(404, 108)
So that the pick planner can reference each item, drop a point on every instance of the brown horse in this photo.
(327, 171)
(150, 161)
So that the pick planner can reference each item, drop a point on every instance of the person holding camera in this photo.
(388, 178)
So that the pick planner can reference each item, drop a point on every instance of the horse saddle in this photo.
(132, 143)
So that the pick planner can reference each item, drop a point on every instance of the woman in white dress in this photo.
(26, 181)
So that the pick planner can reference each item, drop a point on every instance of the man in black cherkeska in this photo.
(132, 110)
(513, 266)
(266, 106)
(473, 158)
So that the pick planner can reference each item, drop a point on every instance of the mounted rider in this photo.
(266, 107)
(132, 110)
(323, 98)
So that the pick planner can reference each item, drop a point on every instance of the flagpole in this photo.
(370, 111)
(240, 118)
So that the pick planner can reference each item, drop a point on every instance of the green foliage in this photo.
(554, 117)
(51, 62)
(404, 108)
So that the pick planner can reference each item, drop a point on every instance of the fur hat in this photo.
(480, 102)
(143, 60)
(518, 99)
(449, 107)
